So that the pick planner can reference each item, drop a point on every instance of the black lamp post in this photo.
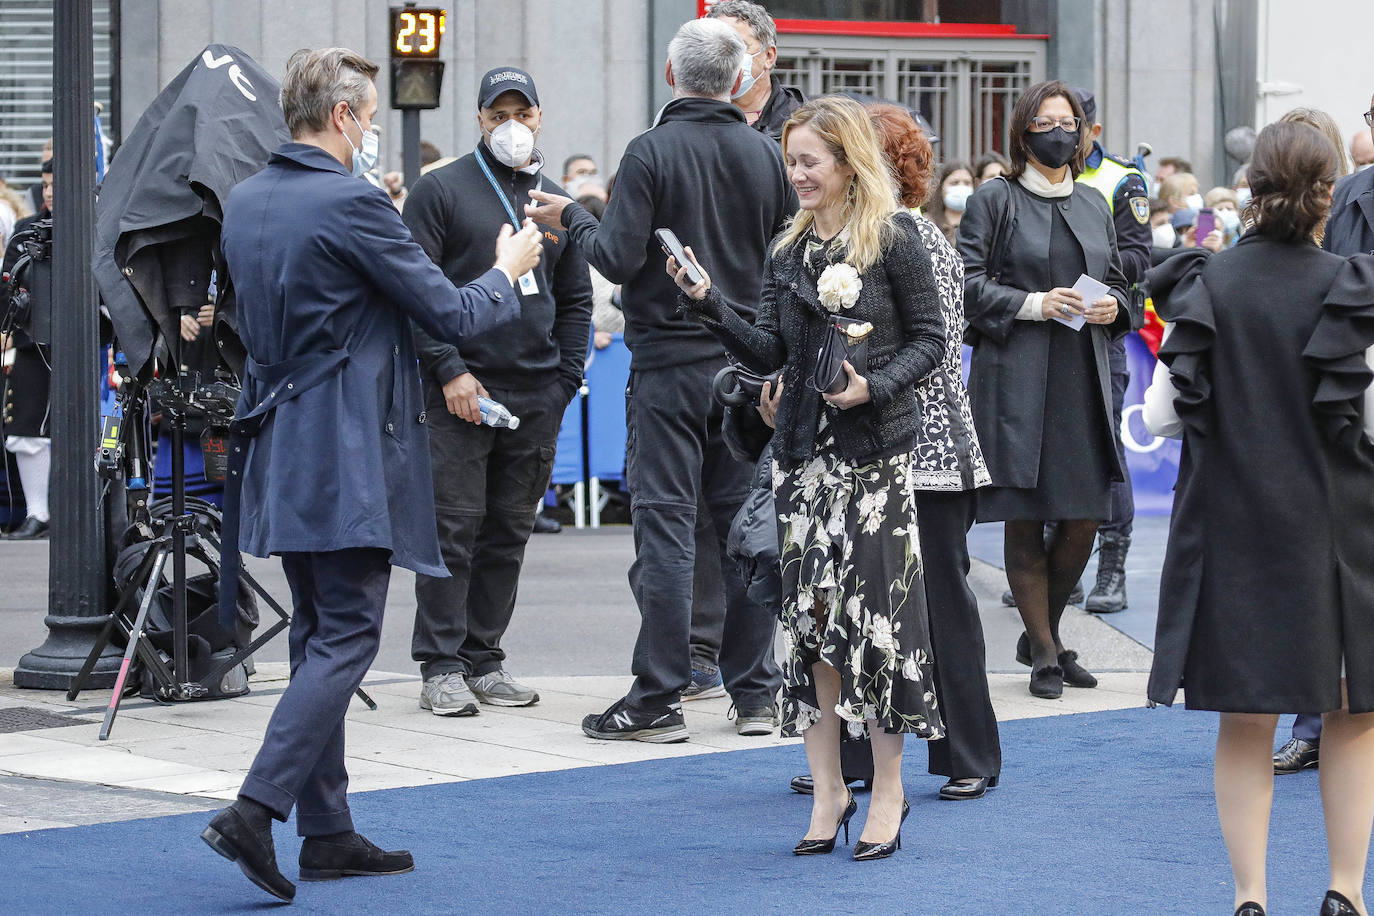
(78, 579)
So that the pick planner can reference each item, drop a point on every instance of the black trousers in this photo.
(971, 746)
(335, 631)
(708, 595)
(487, 485)
(675, 459)
(1123, 496)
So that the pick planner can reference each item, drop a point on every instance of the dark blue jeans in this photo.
(676, 459)
(335, 631)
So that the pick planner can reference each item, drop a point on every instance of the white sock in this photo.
(33, 476)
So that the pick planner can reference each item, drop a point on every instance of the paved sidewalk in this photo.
(575, 615)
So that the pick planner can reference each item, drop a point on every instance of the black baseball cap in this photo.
(1085, 99)
(505, 79)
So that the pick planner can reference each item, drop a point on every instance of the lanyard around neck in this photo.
(486, 170)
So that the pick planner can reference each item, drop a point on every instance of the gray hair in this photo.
(752, 15)
(707, 55)
(317, 80)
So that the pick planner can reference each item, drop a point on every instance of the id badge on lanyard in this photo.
(527, 284)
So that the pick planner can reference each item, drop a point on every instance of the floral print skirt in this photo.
(849, 539)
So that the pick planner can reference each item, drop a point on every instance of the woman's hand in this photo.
(1062, 302)
(1215, 241)
(679, 275)
(854, 394)
(602, 339)
(768, 401)
(1103, 311)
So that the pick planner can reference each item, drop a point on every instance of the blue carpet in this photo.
(1099, 813)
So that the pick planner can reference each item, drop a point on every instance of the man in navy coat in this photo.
(330, 464)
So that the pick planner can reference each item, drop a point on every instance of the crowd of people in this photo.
(835, 279)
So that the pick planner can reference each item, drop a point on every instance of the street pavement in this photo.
(574, 626)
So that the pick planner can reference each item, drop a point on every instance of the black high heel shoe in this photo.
(865, 852)
(824, 847)
(1336, 904)
(1249, 908)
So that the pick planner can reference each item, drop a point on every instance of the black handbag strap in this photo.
(997, 250)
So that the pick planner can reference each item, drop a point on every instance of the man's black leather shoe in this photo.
(31, 530)
(250, 847)
(954, 790)
(1296, 755)
(805, 786)
(324, 858)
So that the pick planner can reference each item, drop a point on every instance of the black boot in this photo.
(1109, 594)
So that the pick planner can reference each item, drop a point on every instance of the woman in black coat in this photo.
(1266, 602)
(1041, 390)
(854, 606)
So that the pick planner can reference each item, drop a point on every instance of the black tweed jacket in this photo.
(899, 297)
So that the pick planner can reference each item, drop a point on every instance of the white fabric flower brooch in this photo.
(839, 287)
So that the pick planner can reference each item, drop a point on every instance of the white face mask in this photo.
(956, 197)
(1229, 220)
(1164, 236)
(747, 78)
(365, 159)
(1193, 201)
(511, 143)
(1243, 197)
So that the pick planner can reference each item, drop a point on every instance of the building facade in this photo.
(1176, 74)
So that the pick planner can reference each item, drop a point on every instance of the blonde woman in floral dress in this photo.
(856, 628)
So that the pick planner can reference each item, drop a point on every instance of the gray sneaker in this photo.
(498, 688)
(448, 695)
(752, 722)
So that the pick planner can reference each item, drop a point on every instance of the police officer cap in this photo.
(505, 79)
(1085, 98)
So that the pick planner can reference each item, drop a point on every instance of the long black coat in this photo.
(1269, 573)
(1008, 375)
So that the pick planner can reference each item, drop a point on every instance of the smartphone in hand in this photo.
(1206, 222)
(671, 246)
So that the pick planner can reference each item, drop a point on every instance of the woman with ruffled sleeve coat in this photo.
(1267, 595)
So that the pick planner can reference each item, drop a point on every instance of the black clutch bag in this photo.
(829, 376)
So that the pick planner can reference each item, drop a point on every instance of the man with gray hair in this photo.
(329, 463)
(766, 103)
(721, 187)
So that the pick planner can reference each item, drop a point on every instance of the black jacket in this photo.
(454, 214)
(782, 101)
(1268, 358)
(1009, 373)
(1350, 228)
(721, 187)
(901, 299)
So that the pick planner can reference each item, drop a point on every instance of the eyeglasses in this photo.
(1045, 125)
(1369, 117)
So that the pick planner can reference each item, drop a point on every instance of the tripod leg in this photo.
(362, 695)
(104, 639)
(135, 637)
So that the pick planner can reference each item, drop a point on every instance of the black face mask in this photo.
(1053, 149)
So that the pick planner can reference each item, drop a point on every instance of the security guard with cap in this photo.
(1122, 184)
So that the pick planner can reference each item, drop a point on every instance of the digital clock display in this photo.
(416, 32)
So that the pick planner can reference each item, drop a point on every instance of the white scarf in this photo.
(1036, 183)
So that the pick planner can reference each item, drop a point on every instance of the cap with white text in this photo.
(505, 79)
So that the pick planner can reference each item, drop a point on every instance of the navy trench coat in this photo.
(326, 272)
